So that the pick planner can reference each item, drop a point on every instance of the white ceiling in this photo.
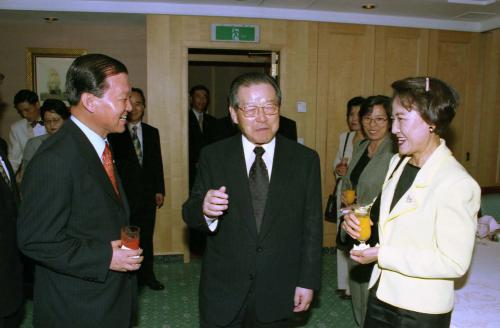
(438, 14)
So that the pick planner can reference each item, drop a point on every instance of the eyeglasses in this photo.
(251, 110)
(379, 120)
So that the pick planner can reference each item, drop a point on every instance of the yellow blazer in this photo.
(427, 239)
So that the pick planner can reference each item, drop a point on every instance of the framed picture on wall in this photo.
(46, 71)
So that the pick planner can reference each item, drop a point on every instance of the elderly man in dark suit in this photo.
(258, 197)
(11, 277)
(74, 207)
(138, 159)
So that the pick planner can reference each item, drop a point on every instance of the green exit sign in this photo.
(235, 33)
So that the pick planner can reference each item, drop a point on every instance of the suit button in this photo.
(259, 249)
(251, 276)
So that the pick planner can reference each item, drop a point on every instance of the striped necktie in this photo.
(4, 174)
(137, 144)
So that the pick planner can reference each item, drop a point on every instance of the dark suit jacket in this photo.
(68, 217)
(141, 183)
(11, 277)
(287, 251)
(226, 128)
(199, 139)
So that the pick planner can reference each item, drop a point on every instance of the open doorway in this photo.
(217, 68)
(210, 73)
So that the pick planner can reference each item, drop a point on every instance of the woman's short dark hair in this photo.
(433, 99)
(248, 79)
(370, 102)
(88, 73)
(356, 101)
(56, 106)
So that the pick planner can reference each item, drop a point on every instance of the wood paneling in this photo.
(345, 70)
(399, 53)
(488, 151)
(454, 58)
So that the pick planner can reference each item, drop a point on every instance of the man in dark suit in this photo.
(201, 127)
(202, 131)
(74, 207)
(138, 159)
(227, 128)
(11, 276)
(257, 196)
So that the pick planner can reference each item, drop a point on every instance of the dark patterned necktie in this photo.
(258, 179)
(137, 144)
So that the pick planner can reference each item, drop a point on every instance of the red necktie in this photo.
(107, 162)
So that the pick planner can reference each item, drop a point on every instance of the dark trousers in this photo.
(247, 317)
(383, 315)
(144, 217)
(12, 320)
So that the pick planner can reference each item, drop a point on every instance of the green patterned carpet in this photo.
(177, 305)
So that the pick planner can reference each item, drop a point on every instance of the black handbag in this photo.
(331, 206)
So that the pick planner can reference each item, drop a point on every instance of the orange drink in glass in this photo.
(363, 215)
(130, 236)
(349, 196)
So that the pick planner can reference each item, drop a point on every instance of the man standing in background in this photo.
(138, 159)
(28, 106)
(202, 131)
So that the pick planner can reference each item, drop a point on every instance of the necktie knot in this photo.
(134, 128)
(259, 151)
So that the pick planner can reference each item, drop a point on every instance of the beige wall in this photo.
(126, 42)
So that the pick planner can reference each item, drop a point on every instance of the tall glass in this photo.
(363, 215)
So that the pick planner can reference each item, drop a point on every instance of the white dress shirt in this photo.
(96, 140)
(20, 132)
(267, 157)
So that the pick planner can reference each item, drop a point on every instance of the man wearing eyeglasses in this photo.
(258, 198)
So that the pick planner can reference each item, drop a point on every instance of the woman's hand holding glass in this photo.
(357, 224)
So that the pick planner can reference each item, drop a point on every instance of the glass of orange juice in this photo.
(363, 215)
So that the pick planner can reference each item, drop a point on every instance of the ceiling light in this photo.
(368, 6)
(473, 2)
(51, 19)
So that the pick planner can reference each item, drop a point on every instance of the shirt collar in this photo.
(268, 156)
(96, 140)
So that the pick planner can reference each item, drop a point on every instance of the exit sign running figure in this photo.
(235, 33)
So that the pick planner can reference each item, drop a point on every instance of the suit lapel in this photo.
(412, 198)
(93, 162)
(280, 177)
(146, 137)
(238, 178)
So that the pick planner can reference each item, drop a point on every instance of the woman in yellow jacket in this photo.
(427, 214)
